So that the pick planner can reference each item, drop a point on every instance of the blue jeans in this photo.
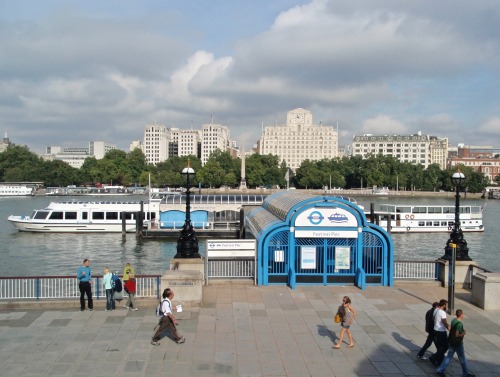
(110, 300)
(461, 357)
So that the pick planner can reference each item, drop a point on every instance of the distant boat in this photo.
(16, 190)
(97, 191)
(380, 190)
(418, 218)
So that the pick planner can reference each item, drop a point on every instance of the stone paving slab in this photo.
(247, 331)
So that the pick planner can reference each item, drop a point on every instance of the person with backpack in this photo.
(167, 320)
(347, 315)
(429, 329)
(456, 344)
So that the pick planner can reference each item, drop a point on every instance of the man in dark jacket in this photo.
(429, 329)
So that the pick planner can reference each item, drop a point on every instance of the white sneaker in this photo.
(125, 306)
(135, 309)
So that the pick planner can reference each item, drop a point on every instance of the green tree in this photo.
(211, 175)
(21, 158)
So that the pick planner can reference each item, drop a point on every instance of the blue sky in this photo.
(76, 71)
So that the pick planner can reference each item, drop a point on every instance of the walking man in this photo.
(429, 328)
(440, 327)
(167, 320)
(456, 344)
(84, 276)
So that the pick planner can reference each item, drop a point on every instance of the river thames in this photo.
(38, 254)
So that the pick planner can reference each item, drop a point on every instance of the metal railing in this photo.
(66, 287)
(415, 270)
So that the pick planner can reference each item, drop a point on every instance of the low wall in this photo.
(486, 290)
(463, 272)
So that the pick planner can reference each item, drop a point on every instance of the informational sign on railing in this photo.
(231, 259)
(231, 248)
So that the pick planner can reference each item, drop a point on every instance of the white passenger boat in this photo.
(406, 218)
(16, 190)
(84, 217)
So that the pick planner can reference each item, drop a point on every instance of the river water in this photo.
(33, 254)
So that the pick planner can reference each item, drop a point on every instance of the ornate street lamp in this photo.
(187, 243)
(457, 240)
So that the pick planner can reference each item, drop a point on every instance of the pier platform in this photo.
(245, 330)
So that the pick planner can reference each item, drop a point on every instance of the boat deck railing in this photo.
(25, 288)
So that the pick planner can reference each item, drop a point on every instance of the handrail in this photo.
(66, 287)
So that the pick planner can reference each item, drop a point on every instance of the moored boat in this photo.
(16, 190)
(406, 218)
(85, 217)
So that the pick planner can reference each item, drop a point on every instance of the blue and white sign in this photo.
(326, 217)
(308, 257)
(342, 258)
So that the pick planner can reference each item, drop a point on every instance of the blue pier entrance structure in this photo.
(319, 240)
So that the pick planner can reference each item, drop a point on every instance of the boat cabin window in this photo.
(435, 209)
(448, 210)
(444, 223)
(128, 215)
(70, 215)
(451, 223)
(97, 215)
(56, 215)
(436, 223)
(41, 215)
(428, 223)
(85, 215)
(421, 223)
(403, 209)
(111, 215)
(464, 209)
(419, 210)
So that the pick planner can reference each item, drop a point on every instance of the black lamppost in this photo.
(187, 243)
(457, 240)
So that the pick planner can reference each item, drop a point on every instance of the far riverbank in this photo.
(352, 192)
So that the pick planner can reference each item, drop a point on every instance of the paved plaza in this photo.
(244, 330)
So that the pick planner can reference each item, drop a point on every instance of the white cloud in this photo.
(380, 67)
(491, 127)
(384, 125)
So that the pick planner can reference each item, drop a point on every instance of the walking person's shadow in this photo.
(325, 331)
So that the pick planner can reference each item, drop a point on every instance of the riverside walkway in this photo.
(244, 330)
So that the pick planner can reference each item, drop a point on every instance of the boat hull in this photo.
(25, 225)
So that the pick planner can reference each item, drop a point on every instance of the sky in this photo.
(76, 71)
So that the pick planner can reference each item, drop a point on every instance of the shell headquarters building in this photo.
(318, 240)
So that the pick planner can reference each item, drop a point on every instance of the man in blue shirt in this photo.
(84, 276)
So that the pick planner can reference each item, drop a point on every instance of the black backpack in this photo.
(429, 321)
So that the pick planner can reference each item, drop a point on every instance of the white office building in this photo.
(415, 149)
(299, 139)
(99, 148)
(213, 137)
(161, 143)
(155, 144)
(4, 143)
(75, 156)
